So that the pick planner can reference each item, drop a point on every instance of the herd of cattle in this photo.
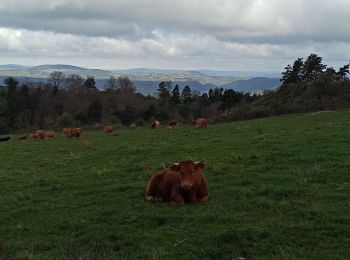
(181, 183)
(71, 133)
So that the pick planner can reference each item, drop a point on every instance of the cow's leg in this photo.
(176, 197)
(203, 199)
(193, 197)
(178, 200)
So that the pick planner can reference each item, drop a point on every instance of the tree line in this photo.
(71, 100)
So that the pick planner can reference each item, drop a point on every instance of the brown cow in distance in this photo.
(155, 124)
(41, 134)
(50, 134)
(173, 123)
(108, 129)
(76, 132)
(132, 126)
(182, 182)
(72, 132)
(34, 137)
(66, 131)
(201, 123)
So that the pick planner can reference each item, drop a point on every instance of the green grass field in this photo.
(279, 188)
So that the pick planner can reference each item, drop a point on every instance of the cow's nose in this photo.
(186, 185)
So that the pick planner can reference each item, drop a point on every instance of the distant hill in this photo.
(254, 84)
(243, 74)
(147, 80)
(12, 67)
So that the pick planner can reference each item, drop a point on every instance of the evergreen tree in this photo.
(13, 100)
(90, 83)
(175, 98)
(293, 74)
(343, 72)
(312, 67)
(164, 91)
(186, 94)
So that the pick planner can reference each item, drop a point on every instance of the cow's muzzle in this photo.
(186, 185)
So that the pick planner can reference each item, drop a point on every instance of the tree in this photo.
(13, 99)
(216, 94)
(95, 111)
(128, 115)
(164, 91)
(56, 79)
(112, 83)
(175, 97)
(186, 94)
(331, 74)
(74, 81)
(230, 98)
(126, 84)
(3, 112)
(90, 83)
(343, 72)
(293, 74)
(312, 67)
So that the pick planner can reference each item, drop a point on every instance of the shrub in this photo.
(65, 120)
(140, 121)
(114, 120)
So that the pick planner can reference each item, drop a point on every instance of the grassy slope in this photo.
(279, 188)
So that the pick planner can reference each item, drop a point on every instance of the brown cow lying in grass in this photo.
(182, 182)
(155, 124)
(108, 129)
(201, 123)
(173, 123)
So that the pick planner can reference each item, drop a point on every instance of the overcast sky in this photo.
(174, 34)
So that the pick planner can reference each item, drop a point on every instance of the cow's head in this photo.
(187, 170)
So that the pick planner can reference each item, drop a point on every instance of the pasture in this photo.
(279, 188)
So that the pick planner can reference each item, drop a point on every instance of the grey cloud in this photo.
(240, 20)
(184, 33)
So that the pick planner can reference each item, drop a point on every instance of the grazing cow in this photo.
(66, 131)
(34, 137)
(201, 123)
(182, 182)
(132, 126)
(76, 132)
(41, 134)
(155, 124)
(173, 123)
(22, 137)
(50, 134)
(108, 129)
(5, 139)
(72, 132)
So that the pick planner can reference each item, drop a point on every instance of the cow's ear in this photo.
(200, 165)
(175, 167)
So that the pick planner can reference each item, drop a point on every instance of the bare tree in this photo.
(74, 81)
(126, 83)
(56, 79)
(112, 83)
